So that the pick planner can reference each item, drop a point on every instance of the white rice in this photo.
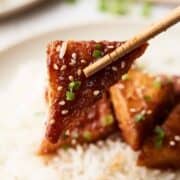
(22, 127)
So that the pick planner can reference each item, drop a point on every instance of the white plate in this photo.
(8, 7)
(21, 94)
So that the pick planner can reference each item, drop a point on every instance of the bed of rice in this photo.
(21, 129)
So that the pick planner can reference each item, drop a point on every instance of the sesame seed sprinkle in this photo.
(79, 71)
(177, 138)
(73, 62)
(123, 64)
(71, 78)
(55, 66)
(83, 61)
(110, 47)
(64, 112)
(132, 110)
(67, 132)
(58, 48)
(114, 68)
(120, 86)
(172, 143)
(59, 88)
(62, 103)
(73, 141)
(74, 56)
(63, 67)
(149, 112)
(63, 49)
(52, 121)
(96, 92)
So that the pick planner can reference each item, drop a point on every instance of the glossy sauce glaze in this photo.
(66, 60)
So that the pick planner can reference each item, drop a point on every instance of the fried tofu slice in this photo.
(162, 149)
(139, 101)
(72, 98)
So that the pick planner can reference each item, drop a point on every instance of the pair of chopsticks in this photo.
(171, 19)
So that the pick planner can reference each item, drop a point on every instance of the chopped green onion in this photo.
(70, 96)
(103, 5)
(119, 7)
(125, 77)
(157, 84)
(97, 53)
(147, 9)
(160, 135)
(65, 147)
(87, 135)
(107, 120)
(139, 117)
(98, 46)
(147, 98)
(74, 85)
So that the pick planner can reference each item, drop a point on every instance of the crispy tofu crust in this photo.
(167, 156)
(140, 101)
(65, 61)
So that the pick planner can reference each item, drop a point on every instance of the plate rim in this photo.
(80, 24)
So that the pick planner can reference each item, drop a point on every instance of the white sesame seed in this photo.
(61, 78)
(123, 64)
(114, 68)
(177, 138)
(55, 66)
(63, 49)
(96, 92)
(83, 61)
(79, 71)
(63, 67)
(71, 78)
(73, 141)
(143, 112)
(58, 48)
(59, 88)
(172, 143)
(62, 103)
(74, 56)
(139, 92)
(74, 134)
(120, 86)
(132, 110)
(110, 47)
(64, 112)
(105, 50)
(67, 132)
(149, 112)
(73, 62)
(52, 121)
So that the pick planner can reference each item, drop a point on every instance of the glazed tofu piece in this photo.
(140, 101)
(162, 149)
(92, 123)
(77, 103)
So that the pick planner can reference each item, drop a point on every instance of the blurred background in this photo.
(20, 19)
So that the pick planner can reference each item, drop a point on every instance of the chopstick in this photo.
(172, 18)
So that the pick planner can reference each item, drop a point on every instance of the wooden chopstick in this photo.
(172, 18)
